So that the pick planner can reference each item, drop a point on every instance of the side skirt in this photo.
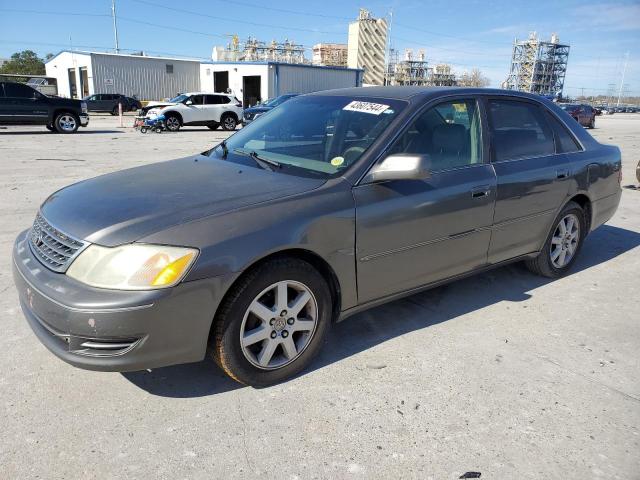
(396, 296)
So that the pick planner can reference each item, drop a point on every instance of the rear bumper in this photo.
(84, 119)
(110, 330)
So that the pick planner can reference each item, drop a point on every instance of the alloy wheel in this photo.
(229, 123)
(278, 325)
(173, 123)
(67, 123)
(564, 242)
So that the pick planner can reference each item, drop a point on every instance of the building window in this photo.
(169, 67)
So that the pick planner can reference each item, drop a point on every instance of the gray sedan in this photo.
(333, 203)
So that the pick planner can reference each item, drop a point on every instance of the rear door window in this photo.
(519, 130)
(565, 143)
(17, 90)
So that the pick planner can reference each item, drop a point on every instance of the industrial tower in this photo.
(538, 66)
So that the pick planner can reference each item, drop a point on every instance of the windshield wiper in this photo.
(225, 150)
(265, 163)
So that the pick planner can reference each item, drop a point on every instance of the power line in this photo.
(285, 10)
(44, 12)
(232, 20)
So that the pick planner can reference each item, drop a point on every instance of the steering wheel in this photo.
(351, 154)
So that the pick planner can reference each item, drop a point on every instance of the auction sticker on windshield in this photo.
(366, 107)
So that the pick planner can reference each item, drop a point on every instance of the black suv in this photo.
(23, 105)
(108, 102)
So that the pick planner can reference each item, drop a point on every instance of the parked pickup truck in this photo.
(22, 105)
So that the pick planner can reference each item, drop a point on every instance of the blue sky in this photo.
(464, 33)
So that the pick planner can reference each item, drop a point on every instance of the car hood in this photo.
(257, 109)
(125, 206)
(159, 104)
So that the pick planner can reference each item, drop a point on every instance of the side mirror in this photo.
(189, 102)
(400, 166)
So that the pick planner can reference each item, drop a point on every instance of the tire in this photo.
(228, 122)
(213, 126)
(544, 264)
(51, 128)
(66, 122)
(115, 111)
(143, 129)
(304, 333)
(593, 123)
(173, 123)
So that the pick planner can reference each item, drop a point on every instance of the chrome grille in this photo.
(52, 247)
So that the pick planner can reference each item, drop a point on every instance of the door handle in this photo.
(562, 174)
(480, 192)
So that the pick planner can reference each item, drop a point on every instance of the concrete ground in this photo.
(506, 373)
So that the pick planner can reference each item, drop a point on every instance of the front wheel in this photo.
(213, 126)
(173, 123)
(229, 122)
(66, 122)
(272, 324)
(562, 245)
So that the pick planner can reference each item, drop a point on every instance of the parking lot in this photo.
(505, 373)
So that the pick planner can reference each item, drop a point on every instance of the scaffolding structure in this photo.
(416, 71)
(330, 54)
(538, 66)
(253, 50)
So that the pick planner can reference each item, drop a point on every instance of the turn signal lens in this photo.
(172, 272)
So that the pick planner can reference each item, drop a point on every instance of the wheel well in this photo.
(584, 202)
(315, 260)
(174, 114)
(60, 111)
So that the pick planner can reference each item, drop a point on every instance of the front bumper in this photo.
(84, 119)
(113, 330)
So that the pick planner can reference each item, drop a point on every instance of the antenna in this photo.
(115, 24)
(624, 70)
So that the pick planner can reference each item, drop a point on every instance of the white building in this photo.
(149, 78)
(79, 74)
(367, 47)
(252, 82)
(333, 54)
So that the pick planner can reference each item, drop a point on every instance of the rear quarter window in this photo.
(519, 130)
(565, 143)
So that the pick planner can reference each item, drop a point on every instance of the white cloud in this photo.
(609, 16)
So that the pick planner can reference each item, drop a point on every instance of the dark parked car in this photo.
(22, 105)
(108, 102)
(585, 115)
(251, 113)
(333, 203)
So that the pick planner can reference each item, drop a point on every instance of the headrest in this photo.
(449, 136)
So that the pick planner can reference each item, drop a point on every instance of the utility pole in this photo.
(115, 24)
(624, 70)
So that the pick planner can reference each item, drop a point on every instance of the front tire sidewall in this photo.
(227, 350)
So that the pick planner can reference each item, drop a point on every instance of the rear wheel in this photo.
(115, 111)
(563, 243)
(274, 321)
(173, 123)
(66, 122)
(229, 122)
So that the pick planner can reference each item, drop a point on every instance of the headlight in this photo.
(83, 107)
(256, 115)
(132, 267)
(154, 112)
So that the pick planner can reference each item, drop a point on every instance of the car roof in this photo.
(207, 93)
(411, 92)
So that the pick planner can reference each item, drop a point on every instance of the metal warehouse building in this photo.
(149, 78)
(255, 81)
(153, 78)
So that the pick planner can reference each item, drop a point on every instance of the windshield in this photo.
(568, 106)
(274, 102)
(314, 135)
(179, 98)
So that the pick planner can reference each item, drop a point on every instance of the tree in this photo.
(26, 62)
(473, 79)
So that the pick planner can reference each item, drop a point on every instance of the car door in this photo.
(92, 101)
(213, 107)
(532, 177)
(24, 104)
(414, 232)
